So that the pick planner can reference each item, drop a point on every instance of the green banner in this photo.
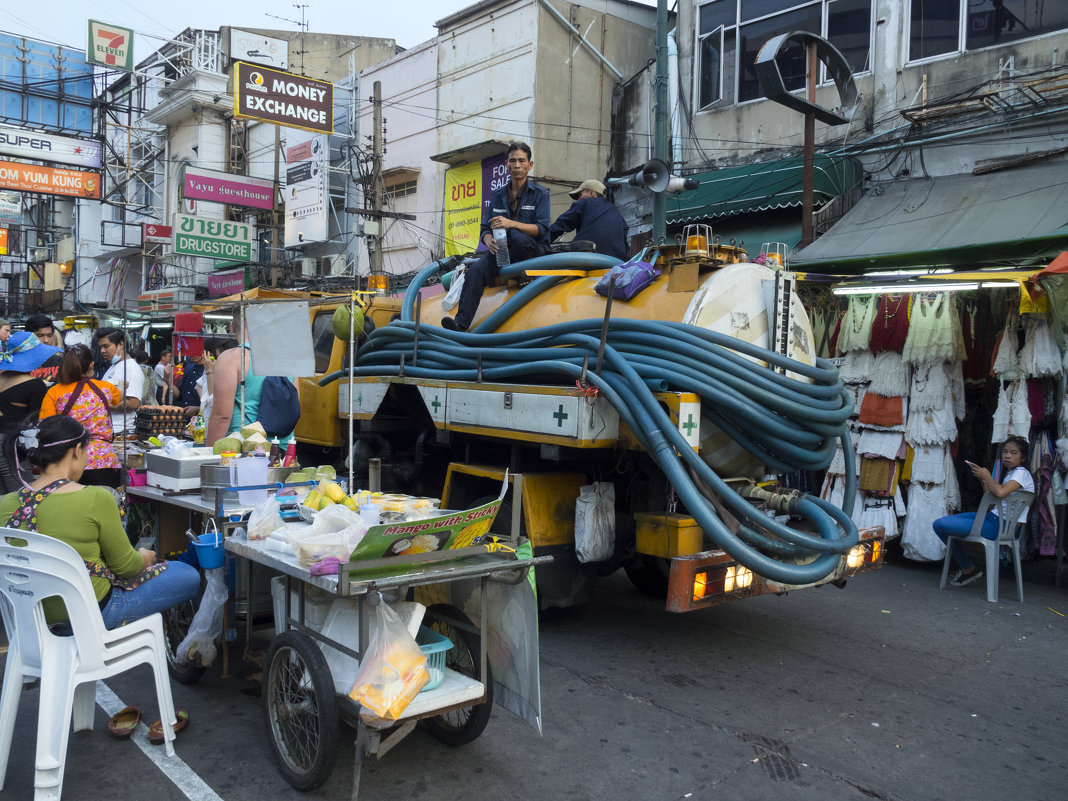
(213, 239)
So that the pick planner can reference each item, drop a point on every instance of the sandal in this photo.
(155, 731)
(123, 723)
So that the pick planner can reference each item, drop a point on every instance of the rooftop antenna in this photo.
(303, 25)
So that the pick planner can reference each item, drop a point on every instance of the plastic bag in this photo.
(631, 278)
(206, 628)
(393, 669)
(595, 522)
(264, 519)
(336, 531)
(452, 297)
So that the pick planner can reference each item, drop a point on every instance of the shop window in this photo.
(944, 27)
(401, 189)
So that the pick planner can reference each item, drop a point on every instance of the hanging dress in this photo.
(929, 464)
(1019, 413)
(1000, 430)
(927, 503)
(1045, 355)
(934, 331)
(930, 389)
(890, 375)
(1006, 360)
(856, 325)
(857, 367)
(930, 426)
(890, 327)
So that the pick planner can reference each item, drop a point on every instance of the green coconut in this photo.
(340, 323)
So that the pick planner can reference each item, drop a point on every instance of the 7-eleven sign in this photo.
(110, 46)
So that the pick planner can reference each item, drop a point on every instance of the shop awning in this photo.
(759, 187)
(1017, 216)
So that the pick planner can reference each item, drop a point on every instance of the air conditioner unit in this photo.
(335, 264)
(308, 267)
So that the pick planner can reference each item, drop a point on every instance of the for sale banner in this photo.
(468, 190)
(49, 180)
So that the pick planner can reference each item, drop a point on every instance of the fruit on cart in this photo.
(326, 471)
(324, 502)
(332, 490)
(350, 502)
(311, 500)
(252, 429)
(226, 444)
(254, 441)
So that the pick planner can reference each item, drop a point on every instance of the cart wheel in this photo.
(302, 715)
(176, 622)
(464, 725)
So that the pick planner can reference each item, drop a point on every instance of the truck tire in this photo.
(649, 574)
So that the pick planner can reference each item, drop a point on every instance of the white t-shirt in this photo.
(1021, 476)
(126, 374)
(160, 373)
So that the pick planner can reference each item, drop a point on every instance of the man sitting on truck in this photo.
(595, 219)
(521, 208)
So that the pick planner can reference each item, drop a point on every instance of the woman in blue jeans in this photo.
(87, 519)
(1016, 479)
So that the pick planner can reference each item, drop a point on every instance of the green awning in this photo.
(753, 230)
(759, 187)
(1018, 216)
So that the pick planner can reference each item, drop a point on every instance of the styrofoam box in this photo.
(156, 461)
(171, 483)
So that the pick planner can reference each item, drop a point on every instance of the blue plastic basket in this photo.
(434, 646)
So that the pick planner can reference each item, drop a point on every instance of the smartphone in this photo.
(970, 464)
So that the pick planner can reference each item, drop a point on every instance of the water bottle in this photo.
(500, 236)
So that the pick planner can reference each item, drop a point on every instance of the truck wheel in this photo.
(464, 725)
(176, 622)
(649, 574)
(302, 715)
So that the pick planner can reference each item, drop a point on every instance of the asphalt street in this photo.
(888, 689)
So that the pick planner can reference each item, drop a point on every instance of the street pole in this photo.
(660, 122)
(378, 188)
(808, 178)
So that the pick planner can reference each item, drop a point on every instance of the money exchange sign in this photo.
(213, 239)
(285, 99)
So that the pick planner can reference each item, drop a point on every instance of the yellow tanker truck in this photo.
(686, 402)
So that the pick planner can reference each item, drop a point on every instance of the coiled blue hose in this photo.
(787, 424)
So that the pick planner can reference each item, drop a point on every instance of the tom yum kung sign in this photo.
(283, 98)
(213, 239)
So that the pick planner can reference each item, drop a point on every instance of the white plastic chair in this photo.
(68, 667)
(1009, 511)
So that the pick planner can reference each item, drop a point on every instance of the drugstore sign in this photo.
(213, 239)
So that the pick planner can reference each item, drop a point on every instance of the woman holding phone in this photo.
(1016, 478)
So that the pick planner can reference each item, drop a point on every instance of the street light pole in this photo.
(660, 120)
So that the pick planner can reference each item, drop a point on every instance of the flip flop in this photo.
(123, 723)
(155, 731)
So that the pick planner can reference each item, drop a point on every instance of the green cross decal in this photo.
(359, 399)
(689, 425)
(436, 404)
(560, 416)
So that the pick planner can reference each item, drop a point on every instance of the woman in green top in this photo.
(87, 518)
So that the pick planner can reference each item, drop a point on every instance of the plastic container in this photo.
(370, 514)
(434, 647)
(500, 236)
(209, 548)
(249, 471)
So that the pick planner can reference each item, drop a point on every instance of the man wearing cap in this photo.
(521, 208)
(593, 217)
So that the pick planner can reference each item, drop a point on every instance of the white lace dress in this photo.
(929, 464)
(890, 375)
(855, 331)
(935, 334)
(930, 426)
(927, 503)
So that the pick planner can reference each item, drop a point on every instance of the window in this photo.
(940, 27)
(401, 189)
(323, 339)
(730, 34)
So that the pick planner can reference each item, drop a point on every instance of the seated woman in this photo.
(1016, 479)
(79, 395)
(87, 518)
(20, 396)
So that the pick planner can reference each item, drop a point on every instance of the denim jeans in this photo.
(482, 271)
(960, 526)
(179, 582)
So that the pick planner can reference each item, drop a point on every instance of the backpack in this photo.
(279, 406)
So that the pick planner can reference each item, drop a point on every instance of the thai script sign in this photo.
(49, 147)
(49, 180)
(468, 190)
(213, 239)
(110, 46)
(283, 98)
(223, 187)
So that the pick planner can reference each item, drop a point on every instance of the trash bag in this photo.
(199, 643)
(595, 522)
(393, 669)
(452, 297)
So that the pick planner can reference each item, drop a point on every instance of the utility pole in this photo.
(660, 120)
(378, 187)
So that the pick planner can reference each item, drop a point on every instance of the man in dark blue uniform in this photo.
(521, 208)
(594, 219)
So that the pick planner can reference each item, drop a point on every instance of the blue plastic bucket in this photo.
(209, 548)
